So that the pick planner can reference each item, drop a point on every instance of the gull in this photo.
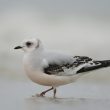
(50, 68)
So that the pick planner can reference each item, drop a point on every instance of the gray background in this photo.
(78, 27)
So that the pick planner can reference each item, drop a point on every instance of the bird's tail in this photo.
(98, 65)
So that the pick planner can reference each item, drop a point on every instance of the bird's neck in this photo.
(33, 60)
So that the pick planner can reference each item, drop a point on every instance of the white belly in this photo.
(50, 80)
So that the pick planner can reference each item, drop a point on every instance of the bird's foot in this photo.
(39, 95)
(42, 94)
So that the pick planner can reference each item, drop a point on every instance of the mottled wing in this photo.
(68, 68)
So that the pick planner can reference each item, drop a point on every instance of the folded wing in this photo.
(77, 65)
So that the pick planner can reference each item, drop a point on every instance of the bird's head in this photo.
(30, 45)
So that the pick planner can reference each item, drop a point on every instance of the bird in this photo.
(52, 68)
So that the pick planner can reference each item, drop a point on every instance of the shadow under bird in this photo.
(51, 68)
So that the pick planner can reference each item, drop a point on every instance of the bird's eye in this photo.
(28, 44)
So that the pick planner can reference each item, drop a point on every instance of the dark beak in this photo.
(18, 47)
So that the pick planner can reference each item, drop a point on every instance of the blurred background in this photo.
(78, 27)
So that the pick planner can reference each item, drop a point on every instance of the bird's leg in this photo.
(54, 91)
(43, 93)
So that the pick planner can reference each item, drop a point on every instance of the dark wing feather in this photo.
(81, 60)
(53, 69)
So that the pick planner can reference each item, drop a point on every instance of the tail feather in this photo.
(98, 65)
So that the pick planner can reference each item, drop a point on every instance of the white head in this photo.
(30, 45)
